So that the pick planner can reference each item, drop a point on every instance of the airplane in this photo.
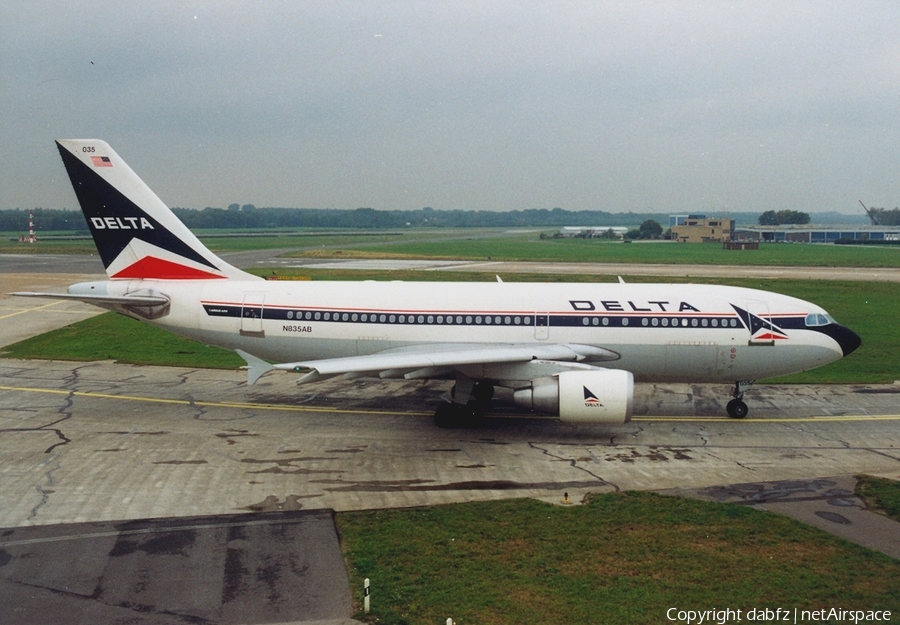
(571, 350)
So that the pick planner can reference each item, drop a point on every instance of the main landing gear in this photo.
(466, 410)
(736, 408)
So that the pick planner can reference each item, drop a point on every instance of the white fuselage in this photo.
(661, 332)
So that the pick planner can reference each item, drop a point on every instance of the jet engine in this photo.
(597, 396)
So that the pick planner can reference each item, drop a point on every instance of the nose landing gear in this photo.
(736, 408)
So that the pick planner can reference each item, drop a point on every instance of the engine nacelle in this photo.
(604, 396)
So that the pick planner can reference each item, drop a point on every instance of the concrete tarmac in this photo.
(83, 442)
(89, 451)
(24, 317)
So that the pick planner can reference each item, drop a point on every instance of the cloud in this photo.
(615, 106)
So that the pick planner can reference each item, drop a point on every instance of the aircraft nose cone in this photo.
(846, 338)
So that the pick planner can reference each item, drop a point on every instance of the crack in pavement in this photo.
(573, 463)
(806, 431)
(75, 374)
(65, 411)
(882, 453)
(44, 492)
(704, 436)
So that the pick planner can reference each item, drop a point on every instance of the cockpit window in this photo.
(815, 319)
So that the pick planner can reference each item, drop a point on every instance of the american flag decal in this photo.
(101, 161)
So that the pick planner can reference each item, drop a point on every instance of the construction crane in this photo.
(870, 214)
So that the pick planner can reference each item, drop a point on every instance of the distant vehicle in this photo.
(573, 350)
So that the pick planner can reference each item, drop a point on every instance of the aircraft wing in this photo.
(426, 360)
(103, 300)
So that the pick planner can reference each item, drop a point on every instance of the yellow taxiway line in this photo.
(28, 310)
(298, 408)
(205, 404)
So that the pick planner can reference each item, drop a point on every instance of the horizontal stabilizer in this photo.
(256, 367)
(101, 300)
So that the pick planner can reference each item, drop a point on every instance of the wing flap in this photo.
(418, 361)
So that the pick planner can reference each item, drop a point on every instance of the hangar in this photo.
(818, 234)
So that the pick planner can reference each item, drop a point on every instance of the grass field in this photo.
(220, 241)
(866, 307)
(531, 248)
(880, 494)
(620, 558)
(310, 240)
(111, 336)
(504, 244)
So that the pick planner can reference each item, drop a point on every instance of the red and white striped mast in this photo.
(31, 238)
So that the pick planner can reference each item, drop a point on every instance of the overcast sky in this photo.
(644, 106)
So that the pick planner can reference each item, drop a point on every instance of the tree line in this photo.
(248, 216)
(783, 217)
(886, 217)
(786, 217)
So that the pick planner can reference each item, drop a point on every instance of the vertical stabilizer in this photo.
(138, 236)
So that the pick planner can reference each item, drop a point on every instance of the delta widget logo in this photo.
(591, 400)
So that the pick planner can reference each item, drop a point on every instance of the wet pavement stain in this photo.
(230, 435)
(235, 571)
(176, 462)
(287, 462)
(348, 450)
(274, 504)
(655, 454)
(472, 485)
(288, 466)
(834, 517)
(294, 471)
(168, 543)
(784, 490)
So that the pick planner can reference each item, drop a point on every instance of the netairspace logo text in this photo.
(776, 615)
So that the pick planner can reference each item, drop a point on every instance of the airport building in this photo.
(700, 229)
(591, 232)
(817, 234)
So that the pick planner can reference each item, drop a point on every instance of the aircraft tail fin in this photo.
(137, 235)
